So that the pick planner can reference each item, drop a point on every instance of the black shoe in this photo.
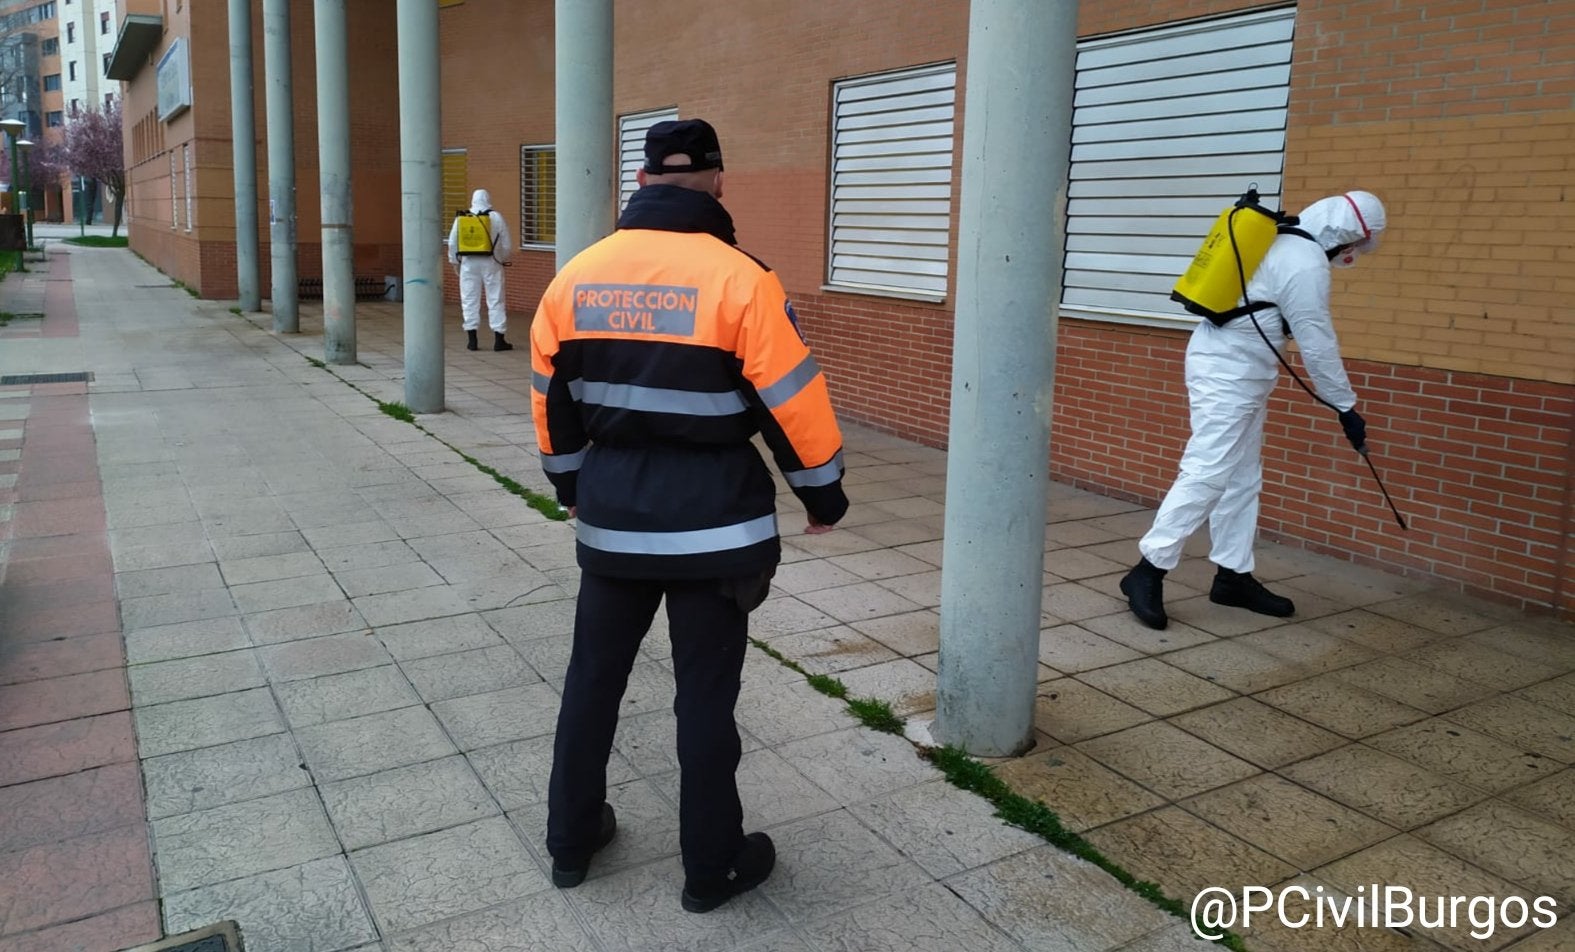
(1241, 590)
(751, 865)
(1144, 588)
(566, 874)
(470, 342)
(498, 343)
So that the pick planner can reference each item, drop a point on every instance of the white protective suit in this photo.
(1230, 372)
(479, 271)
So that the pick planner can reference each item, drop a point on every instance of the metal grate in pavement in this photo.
(11, 380)
(221, 937)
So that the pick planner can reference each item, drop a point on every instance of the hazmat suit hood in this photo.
(481, 201)
(1353, 218)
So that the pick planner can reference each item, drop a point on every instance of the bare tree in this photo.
(93, 149)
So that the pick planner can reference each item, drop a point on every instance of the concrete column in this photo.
(583, 77)
(281, 165)
(333, 149)
(243, 142)
(1010, 235)
(421, 187)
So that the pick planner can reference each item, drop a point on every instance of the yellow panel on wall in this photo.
(456, 178)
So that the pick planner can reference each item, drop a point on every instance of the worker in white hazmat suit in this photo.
(1230, 371)
(479, 246)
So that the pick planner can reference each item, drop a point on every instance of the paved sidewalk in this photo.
(345, 646)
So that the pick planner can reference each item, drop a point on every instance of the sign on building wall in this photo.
(174, 77)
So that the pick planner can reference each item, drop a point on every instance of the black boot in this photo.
(751, 865)
(498, 343)
(569, 872)
(1241, 590)
(470, 340)
(1144, 588)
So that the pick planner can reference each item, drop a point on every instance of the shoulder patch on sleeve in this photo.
(792, 317)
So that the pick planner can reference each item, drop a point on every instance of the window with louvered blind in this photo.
(891, 182)
(456, 193)
(1169, 126)
(631, 147)
(538, 196)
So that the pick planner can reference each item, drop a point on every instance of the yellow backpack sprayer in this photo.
(1214, 286)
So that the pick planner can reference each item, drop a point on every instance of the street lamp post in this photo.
(26, 146)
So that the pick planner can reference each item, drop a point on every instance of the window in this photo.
(54, 120)
(103, 23)
(107, 57)
(71, 71)
(52, 83)
(456, 175)
(174, 207)
(538, 195)
(186, 149)
(49, 46)
(109, 100)
(631, 147)
(76, 106)
(891, 181)
(71, 32)
(1169, 126)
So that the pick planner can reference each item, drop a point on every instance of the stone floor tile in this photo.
(1436, 613)
(1426, 689)
(477, 671)
(1377, 632)
(197, 577)
(814, 574)
(1047, 899)
(155, 610)
(1073, 602)
(911, 634)
(269, 568)
(930, 919)
(1175, 938)
(136, 923)
(906, 686)
(1478, 663)
(57, 882)
(780, 713)
(647, 827)
(538, 922)
(1073, 649)
(637, 910)
(530, 622)
(340, 750)
(860, 602)
(783, 616)
(65, 698)
(1507, 841)
(241, 839)
(1288, 821)
(1553, 798)
(311, 906)
(1167, 760)
(328, 654)
(1427, 871)
(943, 829)
(185, 640)
(1071, 711)
(63, 808)
(857, 764)
(481, 720)
(1079, 790)
(1340, 706)
(232, 550)
(305, 621)
(1532, 727)
(1238, 666)
(386, 578)
(1185, 854)
(195, 780)
(1257, 733)
(1219, 620)
(66, 747)
(206, 722)
(336, 697)
(1268, 933)
(419, 604)
(366, 555)
(831, 650)
(406, 801)
(1557, 693)
(1544, 641)
(438, 636)
(516, 772)
(1383, 786)
(1156, 687)
(1459, 753)
(1314, 651)
(183, 678)
(421, 880)
(831, 863)
(254, 597)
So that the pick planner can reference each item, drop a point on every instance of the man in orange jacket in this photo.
(657, 354)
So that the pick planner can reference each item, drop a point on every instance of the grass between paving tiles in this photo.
(966, 773)
(546, 505)
(99, 241)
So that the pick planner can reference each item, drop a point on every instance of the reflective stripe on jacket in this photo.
(657, 354)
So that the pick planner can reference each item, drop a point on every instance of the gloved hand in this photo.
(1355, 428)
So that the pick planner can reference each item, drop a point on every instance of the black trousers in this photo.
(709, 623)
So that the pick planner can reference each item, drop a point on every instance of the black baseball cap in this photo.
(692, 137)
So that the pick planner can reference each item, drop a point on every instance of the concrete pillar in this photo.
(421, 187)
(281, 165)
(1010, 235)
(243, 142)
(583, 78)
(333, 149)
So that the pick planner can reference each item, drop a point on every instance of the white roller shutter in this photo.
(631, 148)
(1169, 126)
(891, 181)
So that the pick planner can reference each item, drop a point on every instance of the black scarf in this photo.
(672, 208)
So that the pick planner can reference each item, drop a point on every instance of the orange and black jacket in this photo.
(657, 354)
